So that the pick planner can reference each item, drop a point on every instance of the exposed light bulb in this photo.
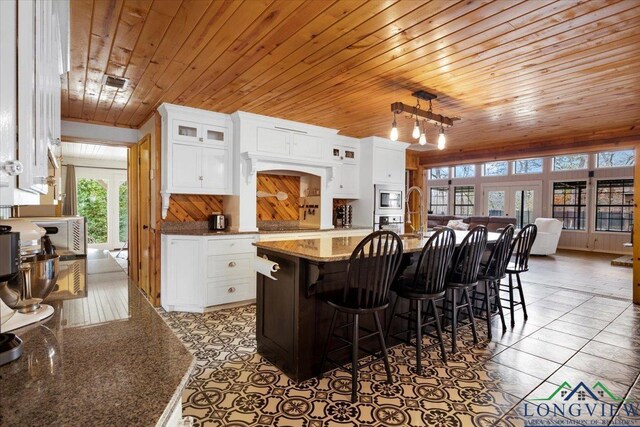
(394, 132)
(423, 139)
(416, 130)
(442, 141)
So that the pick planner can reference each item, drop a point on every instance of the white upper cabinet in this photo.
(42, 41)
(388, 165)
(306, 146)
(196, 152)
(273, 141)
(347, 173)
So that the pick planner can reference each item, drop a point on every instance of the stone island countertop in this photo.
(328, 248)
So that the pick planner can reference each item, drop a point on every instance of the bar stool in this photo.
(426, 285)
(492, 272)
(372, 269)
(520, 250)
(463, 277)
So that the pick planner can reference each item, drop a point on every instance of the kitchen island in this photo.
(105, 358)
(292, 319)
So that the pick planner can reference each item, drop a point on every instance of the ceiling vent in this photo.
(115, 82)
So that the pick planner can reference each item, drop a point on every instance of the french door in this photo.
(102, 200)
(522, 201)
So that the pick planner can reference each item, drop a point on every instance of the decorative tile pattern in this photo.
(482, 385)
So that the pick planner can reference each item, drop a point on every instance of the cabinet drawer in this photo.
(230, 291)
(230, 266)
(230, 246)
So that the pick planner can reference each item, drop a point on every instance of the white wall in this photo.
(590, 239)
(93, 132)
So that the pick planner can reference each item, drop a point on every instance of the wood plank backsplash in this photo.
(270, 208)
(193, 207)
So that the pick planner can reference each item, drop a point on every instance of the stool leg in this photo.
(454, 321)
(419, 337)
(326, 344)
(487, 290)
(354, 360)
(524, 305)
(385, 354)
(443, 352)
(496, 290)
(513, 322)
(465, 294)
(393, 313)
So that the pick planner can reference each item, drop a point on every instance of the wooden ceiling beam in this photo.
(585, 143)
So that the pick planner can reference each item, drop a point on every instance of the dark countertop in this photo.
(105, 358)
(328, 248)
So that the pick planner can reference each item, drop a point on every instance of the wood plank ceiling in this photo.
(513, 70)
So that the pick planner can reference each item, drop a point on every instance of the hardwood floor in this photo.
(581, 271)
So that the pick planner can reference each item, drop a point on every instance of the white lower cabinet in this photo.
(199, 272)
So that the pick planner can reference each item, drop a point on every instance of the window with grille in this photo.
(570, 204)
(463, 200)
(439, 200)
(614, 205)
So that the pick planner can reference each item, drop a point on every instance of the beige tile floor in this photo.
(570, 337)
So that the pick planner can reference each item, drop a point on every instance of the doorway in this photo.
(520, 200)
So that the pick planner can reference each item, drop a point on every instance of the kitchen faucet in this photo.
(420, 212)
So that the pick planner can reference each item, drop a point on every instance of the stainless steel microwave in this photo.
(388, 199)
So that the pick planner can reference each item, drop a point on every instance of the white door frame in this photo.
(113, 177)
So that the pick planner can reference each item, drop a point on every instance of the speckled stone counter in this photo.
(120, 365)
(329, 249)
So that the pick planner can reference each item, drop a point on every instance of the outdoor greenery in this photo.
(123, 223)
(92, 204)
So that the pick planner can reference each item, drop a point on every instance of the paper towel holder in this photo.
(275, 267)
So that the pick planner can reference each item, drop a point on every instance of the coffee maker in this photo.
(10, 344)
(342, 216)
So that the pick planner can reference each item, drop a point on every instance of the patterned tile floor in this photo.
(570, 337)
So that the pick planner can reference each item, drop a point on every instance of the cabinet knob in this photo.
(389, 175)
(232, 264)
(231, 290)
(341, 157)
(341, 186)
(201, 178)
(200, 139)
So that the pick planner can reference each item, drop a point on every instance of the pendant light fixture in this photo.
(416, 128)
(419, 132)
(423, 135)
(442, 140)
(394, 129)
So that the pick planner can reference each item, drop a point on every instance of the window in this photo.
(439, 200)
(464, 171)
(495, 168)
(571, 162)
(613, 159)
(463, 200)
(439, 173)
(525, 166)
(614, 205)
(570, 204)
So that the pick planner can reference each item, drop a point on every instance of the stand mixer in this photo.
(30, 279)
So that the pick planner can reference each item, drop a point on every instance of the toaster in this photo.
(217, 222)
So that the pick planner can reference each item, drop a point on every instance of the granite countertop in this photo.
(100, 361)
(328, 249)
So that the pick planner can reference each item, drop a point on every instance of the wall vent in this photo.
(115, 81)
